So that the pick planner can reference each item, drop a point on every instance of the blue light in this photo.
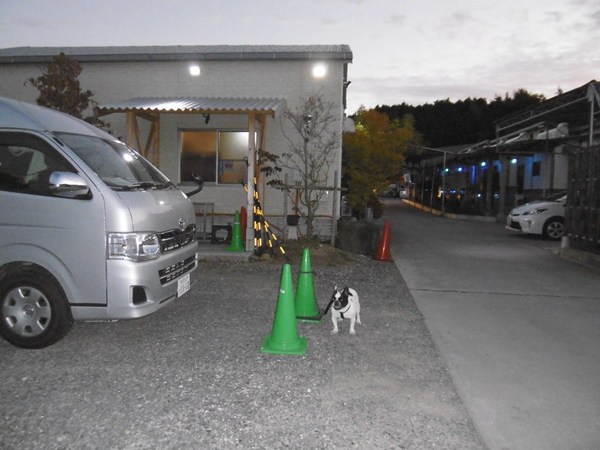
(459, 169)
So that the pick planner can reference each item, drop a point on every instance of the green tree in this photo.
(446, 123)
(59, 89)
(374, 154)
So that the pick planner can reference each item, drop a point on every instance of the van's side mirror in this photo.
(199, 181)
(69, 185)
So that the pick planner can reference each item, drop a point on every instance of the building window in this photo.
(536, 169)
(217, 156)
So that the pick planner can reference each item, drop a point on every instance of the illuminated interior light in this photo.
(514, 161)
(483, 164)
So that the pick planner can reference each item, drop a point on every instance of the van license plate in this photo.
(183, 285)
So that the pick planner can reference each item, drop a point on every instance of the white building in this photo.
(204, 109)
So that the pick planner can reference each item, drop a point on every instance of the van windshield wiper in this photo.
(143, 185)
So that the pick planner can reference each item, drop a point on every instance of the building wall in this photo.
(291, 80)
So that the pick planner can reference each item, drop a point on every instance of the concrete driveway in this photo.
(518, 326)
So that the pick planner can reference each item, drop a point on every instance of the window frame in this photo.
(217, 169)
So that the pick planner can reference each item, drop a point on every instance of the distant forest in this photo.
(445, 123)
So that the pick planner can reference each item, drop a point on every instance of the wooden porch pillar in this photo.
(149, 151)
(132, 129)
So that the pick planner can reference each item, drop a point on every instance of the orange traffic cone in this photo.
(383, 253)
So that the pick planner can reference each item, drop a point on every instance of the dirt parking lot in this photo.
(192, 376)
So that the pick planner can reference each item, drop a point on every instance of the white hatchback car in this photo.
(546, 217)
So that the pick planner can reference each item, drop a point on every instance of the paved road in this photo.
(518, 325)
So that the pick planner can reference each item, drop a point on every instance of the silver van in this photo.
(89, 229)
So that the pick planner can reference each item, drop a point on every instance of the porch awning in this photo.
(203, 105)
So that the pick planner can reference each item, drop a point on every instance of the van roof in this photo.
(15, 114)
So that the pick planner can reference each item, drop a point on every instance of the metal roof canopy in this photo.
(206, 105)
(572, 106)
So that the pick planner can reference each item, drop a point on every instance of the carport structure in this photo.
(553, 131)
(151, 108)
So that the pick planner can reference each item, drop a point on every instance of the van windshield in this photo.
(119, 166)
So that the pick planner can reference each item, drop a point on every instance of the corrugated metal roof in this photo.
(216, 105)
(340, 52)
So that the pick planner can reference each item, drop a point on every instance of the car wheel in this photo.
(34, 312)
(554, 227)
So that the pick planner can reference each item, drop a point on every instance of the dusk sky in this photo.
(404, 51)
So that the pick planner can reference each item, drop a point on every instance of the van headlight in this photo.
(133, 246)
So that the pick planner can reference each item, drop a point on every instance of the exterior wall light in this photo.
(319, 70)
(483, 164)
(514, 161)
(195, 70)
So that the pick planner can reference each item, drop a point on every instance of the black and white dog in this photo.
(345, 306)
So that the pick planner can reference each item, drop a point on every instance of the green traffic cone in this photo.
(236, 237)
(284, 337)
(306, 303)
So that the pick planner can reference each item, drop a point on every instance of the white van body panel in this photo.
(68, 236)
(49, 231)
(157, 210)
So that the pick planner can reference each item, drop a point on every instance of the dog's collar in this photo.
(346, 310)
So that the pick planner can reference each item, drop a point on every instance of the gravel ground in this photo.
(192, 376)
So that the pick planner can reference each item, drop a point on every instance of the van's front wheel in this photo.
(33, 309)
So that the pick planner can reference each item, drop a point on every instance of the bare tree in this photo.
(313, 137)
